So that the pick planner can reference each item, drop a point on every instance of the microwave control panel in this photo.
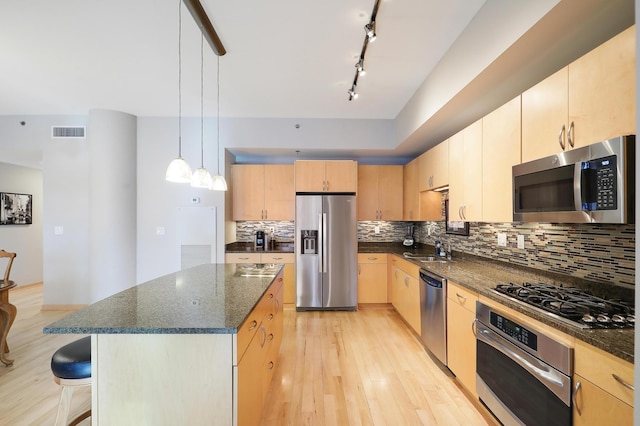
(599, 184)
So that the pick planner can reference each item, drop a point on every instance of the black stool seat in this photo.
(73, 361)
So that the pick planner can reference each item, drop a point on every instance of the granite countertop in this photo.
(244, 247)
(482, 275)
(205, 299)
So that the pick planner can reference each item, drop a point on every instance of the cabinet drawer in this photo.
(462, 296)
(277, 258)
(405, 265)
(242, 258)
(248, 329)
(372, 258)
(599, 367)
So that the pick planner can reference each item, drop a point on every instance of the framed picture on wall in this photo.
(16, 209)
(454, 227)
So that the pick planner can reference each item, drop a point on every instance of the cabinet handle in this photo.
(270, 317)
(277, 258)
(372, 258)
(570, 134)
(270, 337)
(431, 181)
(406, 281)
(459, 296)
(277, 305)
(622, 382)
(270, 296)
(271, 365)
(264, 336)
(460, 212)
(359, 270)
(561, 137)
(253, 325)
(573, 397)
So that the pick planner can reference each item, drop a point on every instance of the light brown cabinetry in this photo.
(433, 167)
(326, 176)
(603, 391)
(379, 193)
(590, 100)
(500, 152)
(410, 193)
(263, 329)
(372, 278)
(461, 343)
(405, 291)
(465, 174)
(263, 192)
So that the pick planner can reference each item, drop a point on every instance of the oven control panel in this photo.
(514, 330)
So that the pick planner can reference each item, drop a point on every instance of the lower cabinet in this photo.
(372, 278)
(289, 260)
(602, 388)
(405, 291)
(461, 343)
(257, 363)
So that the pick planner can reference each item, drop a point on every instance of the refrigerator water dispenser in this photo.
(309, 241)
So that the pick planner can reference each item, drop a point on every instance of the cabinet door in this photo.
(465, 174)
(248, 191)
(341, 176)
(290, 284)
(410, 193)
(309, 176)
(390, 192)
(279, 192)
(461, 343)
(500, 152)
(397, 277)
(368, 193)
(597, 407)
(412, 303)
(372, 279)
(602, 91)
(440, 164)
(544, 114)
(456, 178)
(250, 387)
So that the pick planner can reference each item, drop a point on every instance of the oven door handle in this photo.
(553, 380)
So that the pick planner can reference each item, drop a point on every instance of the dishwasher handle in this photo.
(432, 280)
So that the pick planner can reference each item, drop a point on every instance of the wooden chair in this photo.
(71, 368)
(8, 311)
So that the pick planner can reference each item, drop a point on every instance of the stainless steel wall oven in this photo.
(523, 375)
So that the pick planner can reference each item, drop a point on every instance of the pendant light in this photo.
(179, 170)
(201, 177)
(218, 183)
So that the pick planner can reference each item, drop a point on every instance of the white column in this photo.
(112, 202)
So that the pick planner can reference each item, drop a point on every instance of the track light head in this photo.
(360, 67)
(352, 93)
(370, 30)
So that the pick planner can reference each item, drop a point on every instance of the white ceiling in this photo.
(285, 58)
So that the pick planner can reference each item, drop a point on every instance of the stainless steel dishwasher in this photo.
(433, 313)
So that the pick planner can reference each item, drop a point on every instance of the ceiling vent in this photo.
(66, 132)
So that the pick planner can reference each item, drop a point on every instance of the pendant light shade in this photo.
(201, 177)
(179, 170)
(218, 183)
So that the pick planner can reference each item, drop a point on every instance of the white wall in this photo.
(25, 240)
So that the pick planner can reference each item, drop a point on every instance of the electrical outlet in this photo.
(272, 229)
(502, 239)
(520, 241)
(159, 230)
(376, 229)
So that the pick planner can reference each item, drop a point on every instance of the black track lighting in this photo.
(370, 35)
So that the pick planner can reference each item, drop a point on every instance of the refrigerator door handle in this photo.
(324, 243)
(319, 244)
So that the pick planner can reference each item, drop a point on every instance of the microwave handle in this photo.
(577, 186)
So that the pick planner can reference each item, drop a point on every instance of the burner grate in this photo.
(576, 305)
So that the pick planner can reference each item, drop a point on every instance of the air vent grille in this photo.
(66, 132)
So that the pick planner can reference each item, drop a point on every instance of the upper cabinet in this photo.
(411, 195)
(380, 192)
(465, 174)
(590, 100)
(500, 152)
(433, 167)
(263, 192)
(326, 176)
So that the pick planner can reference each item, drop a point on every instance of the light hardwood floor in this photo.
(336, 368)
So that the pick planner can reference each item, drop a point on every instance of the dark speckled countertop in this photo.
(206, 299)
(481, 275)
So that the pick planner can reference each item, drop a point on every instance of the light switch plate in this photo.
(58, 230)
(159, 230)
(502, 239)
(376, 229)
(520, 241)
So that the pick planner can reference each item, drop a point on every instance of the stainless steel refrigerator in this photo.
(326, 252)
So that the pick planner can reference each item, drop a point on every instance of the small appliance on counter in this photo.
(408, 239)
(260, 241)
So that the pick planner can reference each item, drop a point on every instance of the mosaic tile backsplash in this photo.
(595, 252)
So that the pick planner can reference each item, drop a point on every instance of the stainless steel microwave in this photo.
(592, 184)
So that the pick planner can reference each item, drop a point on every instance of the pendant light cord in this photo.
(180, 78)
(218, 121)
(202, 101)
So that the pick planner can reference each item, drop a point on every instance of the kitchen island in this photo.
(183, 348)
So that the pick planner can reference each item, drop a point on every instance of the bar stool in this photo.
(71, 368)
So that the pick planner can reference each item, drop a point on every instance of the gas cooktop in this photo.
(572, 305)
